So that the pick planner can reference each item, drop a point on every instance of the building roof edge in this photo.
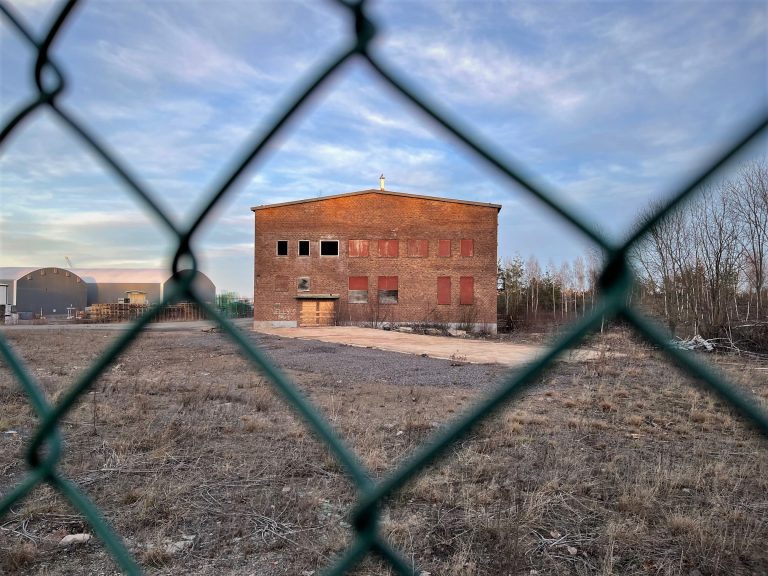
(375, 191)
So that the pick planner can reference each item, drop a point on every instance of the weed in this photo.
(622, 462)
(18, 558)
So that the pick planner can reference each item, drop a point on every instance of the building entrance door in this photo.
(317, 313)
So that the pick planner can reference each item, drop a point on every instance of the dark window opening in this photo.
(303, 247)
(282, 247)
(329, 247)
(303, 284)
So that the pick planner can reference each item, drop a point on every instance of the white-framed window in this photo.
(281, 249)
(304, 248)
(329, 247)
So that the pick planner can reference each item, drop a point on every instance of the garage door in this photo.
(318, 313)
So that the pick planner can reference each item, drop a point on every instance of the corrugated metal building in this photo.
(107, 285)
(51, 291)
(46, 291)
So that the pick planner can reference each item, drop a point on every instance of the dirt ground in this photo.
(612, 465)
(468, 349)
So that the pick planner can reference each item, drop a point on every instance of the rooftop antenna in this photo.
(381, 182)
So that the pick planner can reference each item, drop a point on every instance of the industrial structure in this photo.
(43, 291)
(67, 292)
(376, 256)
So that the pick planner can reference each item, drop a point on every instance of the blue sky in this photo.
(609, 103)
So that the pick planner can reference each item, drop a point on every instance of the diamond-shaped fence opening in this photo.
(44, 451)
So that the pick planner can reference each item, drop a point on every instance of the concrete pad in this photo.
(460, 349)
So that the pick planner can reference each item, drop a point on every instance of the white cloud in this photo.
(183, 56)
(611, 102)
(473, 71)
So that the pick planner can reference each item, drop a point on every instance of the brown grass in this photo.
(607, 468)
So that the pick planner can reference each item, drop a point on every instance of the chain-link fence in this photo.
(45, 450)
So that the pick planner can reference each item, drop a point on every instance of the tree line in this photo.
(530, 294)
(701, 270)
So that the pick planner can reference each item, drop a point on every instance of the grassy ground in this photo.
(607, 467)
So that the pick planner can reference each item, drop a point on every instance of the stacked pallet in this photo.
(115, 312)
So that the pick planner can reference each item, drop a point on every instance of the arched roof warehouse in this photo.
(100, 285)
(46, 291)
(106, 285)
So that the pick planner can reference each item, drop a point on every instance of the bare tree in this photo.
(554, 281)
(692, 262)
(533, 277)
(749, 194)
(566, 281)
(580, 275)
(717, 244)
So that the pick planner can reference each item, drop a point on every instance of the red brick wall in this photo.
(374, 217)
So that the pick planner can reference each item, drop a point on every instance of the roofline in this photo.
(100, 275)
(375, 191)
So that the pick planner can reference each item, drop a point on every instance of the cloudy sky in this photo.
(610, 104)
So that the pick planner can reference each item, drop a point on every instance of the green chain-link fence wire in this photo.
(616, 281)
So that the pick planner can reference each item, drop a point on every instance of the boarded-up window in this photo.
(302, 285)
(388, 248)
(418, 248)
(444, 290)
(444, 248)
(358, 282)
(303, 247)
(281, 283)
(358, 289)
(388, 290)
(467, 248)
(329, 247)
(358, 248)
(466, 290)
(282, 247)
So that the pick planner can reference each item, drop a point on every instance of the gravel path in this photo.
(330, 363)
(339, 363)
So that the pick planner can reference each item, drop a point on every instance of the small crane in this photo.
(68, 261)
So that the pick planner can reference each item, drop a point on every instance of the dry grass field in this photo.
(614, 466)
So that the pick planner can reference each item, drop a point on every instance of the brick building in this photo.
(375, 256)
